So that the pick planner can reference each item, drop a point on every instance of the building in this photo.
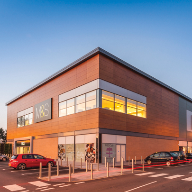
(99, 106)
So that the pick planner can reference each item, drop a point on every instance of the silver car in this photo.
(3, 157)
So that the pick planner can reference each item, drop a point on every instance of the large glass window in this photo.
(80, 103)
(131, 107)
(26, 119)
(119, 103)
(141, 110)
(30, 118)
(70, 106)
(91, 100)
(62, 109)
(107, 100)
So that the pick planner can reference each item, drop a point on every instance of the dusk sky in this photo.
(38, 38)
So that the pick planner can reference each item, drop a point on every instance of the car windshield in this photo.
(173, 154)
(14, 157)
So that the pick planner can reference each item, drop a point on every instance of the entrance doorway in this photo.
(120, 152)
(23, 150)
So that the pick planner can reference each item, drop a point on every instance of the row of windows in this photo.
(25, 120)
(78, 104)
(121, 104)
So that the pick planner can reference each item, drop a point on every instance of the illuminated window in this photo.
(119, 103)
(70, 106)
(62, 109)
(91, 100)
(80, 103)
(30, 118)
(131, 107)
(141, 110)
(26, 120)
(107, 100)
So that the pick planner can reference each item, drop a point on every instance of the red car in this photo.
(23, 161)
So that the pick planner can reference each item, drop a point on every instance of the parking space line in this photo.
(147, 173)
(187, 179)
(14, 187)
(158, 175)
(174, 176)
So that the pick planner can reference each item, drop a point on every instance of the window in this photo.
(62, 109)
(70, 106)
(27, 157)
(91, 100)
(38, 157)
(80, 103)
(30, 118)
(141, 110)
(131, 107)
(107, 100)
(119, 103)
(25, 117)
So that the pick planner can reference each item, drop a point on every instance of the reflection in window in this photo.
(70, 106)
(62, 109)
(26, 120)
(119, 103)
(21, 121)
(80, 103)
(131, 107)
(107, 100)
(30, 118)
(91, 100)
(141, 110)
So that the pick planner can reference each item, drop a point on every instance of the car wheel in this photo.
(51, 162)
(4, 159)
(149, 162)
(21, 166)
(168, 163)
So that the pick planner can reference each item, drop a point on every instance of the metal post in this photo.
(135, 159)
(67, 161)
(49, 171)
(73, 166)
(132, 165)
(57, 168)
(86, 165)
(141, 159)
(113, 162)
(69, 172)
(105, 161)
(81, 163)
(107, 169)
(40, 170)
(122, 162)
(143, 164)
(91, 171)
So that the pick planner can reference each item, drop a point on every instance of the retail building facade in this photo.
(99, 106)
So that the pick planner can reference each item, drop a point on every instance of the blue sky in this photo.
(38, 38)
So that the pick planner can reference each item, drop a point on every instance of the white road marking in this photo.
(174, 176)
(39, 183)
(47, 189)
(58, 184)
(158, 175)
(141, 186)
(187, 179)
(79, 183)
(14, 187)
(147, 173)
(3, 169)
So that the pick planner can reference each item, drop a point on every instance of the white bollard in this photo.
(40, 170)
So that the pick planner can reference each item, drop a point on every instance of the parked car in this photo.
(3, 157)
(23, 161)
(163, 156)
(189, 155)
(180, 154)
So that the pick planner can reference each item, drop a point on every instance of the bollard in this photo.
(81, 163)
(135, 159)
(132, 165)
(98, 165)
(122, 162)
(105, 161)
(61, 161)
(40, 170)
(69, 172)
(57, 168)
(107, 169)
(67, 161)
(49, 171)
(86, 165)
(91, 171)
(141, 160)
(121, 167)
(73, 166)
(143, 164)
(113, 162)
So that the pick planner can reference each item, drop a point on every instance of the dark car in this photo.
(180, 154)
(3, 157)
(23, 161)
(162, 157)
(189, 155)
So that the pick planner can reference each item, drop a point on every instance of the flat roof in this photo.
(92, 53)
